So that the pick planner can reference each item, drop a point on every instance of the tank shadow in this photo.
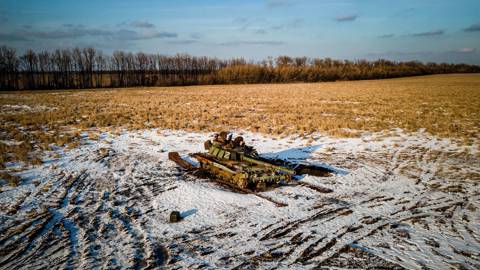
(301, 155)
(187, 213)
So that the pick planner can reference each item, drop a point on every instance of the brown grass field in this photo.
(447, 106)
(405, 187)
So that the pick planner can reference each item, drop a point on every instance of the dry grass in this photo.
(443, 105)
(12, 180)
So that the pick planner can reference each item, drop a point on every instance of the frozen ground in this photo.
(402, 201)
(15, 109)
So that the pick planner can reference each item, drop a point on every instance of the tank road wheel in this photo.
(261, 186)
(241, 181)
(207, 144)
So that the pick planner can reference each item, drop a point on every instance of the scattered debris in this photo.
(175, 216)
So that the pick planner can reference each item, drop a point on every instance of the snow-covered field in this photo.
(8, 109)
(398, 201)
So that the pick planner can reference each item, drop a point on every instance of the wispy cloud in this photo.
(196, 35)
(397, 53)
(245, 23)
(467, 50)
(240, 20)
(262, 26)
(183, 42)
(404, 12)
(295, 23)
(429, 33)
(13, 37)
(134, 35)
(386, 36)
(263, 42)
(473, 28)
(464, 55)
(261, 31)
(141, 24)
(55, 34)
(278, 3)
(346, 18)
(76, 32)
(72, 33)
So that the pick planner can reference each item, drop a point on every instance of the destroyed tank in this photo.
(230, 161)
(234, 162)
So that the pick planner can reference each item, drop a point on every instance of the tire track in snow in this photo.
(114, 218)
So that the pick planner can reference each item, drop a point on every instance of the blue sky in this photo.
(425, 30)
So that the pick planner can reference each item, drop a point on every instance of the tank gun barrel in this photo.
(267, 164)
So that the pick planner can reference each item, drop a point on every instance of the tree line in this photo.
(90, 68)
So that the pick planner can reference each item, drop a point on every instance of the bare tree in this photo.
(87, 68)
(29, 65)
(89, 63)
(9, 64)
